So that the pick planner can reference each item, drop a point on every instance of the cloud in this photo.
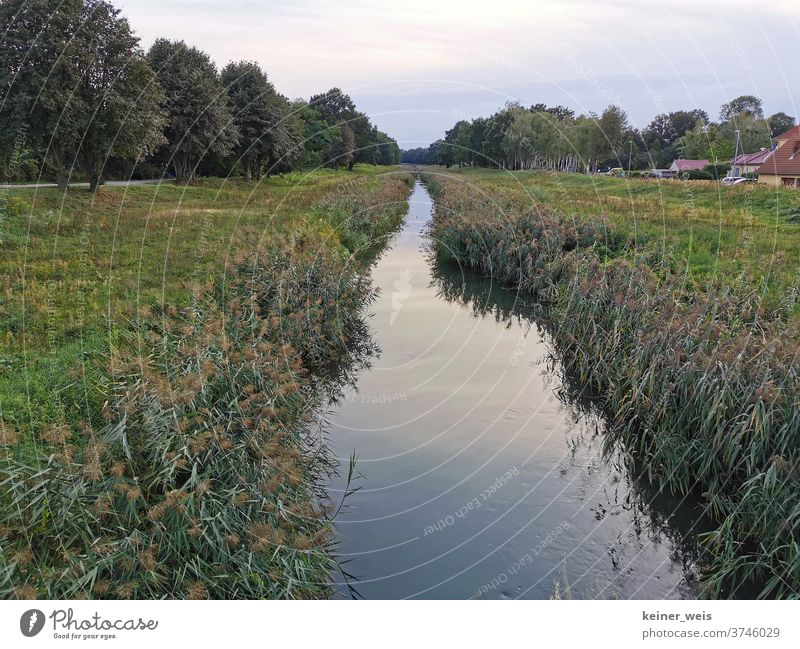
(662, 54)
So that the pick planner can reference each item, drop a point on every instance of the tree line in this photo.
(79, 97)
(542, 137)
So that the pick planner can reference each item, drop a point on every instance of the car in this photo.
(735, 180)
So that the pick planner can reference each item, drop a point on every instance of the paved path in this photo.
(108, 183)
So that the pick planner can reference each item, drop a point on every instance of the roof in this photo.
(785, 160)
(752, 158)
(689, 165)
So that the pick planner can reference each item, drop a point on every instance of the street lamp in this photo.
(735, 170)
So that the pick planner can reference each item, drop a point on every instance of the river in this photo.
(480, 476)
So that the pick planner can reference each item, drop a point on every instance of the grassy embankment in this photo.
(164, 352)
(676, 306)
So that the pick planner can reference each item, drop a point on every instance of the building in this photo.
(682, 166)
(783, 166)
(748, 163)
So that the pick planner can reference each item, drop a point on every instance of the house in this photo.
(748, 163)
(783, 166)
(682, 166)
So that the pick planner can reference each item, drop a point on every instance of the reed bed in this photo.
(206, 477)
(700, 387)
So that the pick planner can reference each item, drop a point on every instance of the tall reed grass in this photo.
(207, 478)
(699, 387)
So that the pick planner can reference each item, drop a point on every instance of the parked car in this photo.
(735, 180)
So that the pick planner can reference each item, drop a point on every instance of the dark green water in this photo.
(483, 475)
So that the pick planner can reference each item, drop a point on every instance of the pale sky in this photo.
(417, 66)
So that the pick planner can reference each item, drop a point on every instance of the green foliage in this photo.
(41, 68)
(745, 105)
(268, 133)
(555, 138)
(337, 135)
(81, 93)
(718, 171)
(118, 94)
(779, 123)
(199, 120)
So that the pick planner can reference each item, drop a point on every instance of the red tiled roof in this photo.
(690, 165)
(785, 160)
(752, 158)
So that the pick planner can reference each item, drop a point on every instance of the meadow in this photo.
(716, 232)
(166, 351)
(693, 364)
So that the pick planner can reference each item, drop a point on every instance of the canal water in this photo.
(479, 475)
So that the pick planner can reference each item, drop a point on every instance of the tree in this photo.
(78, 85)
(496, 127)
(120, 97)
(364, 140)
(695, 144)
(662, 136)
(463, 153)
(342, 147)
(419, 156)
(589, 141)
(357, 139)
(754, 133)
(613, 124)
(561, 113)
(199, 119)
(749, 104)
(388, 151)
(477, 138)
(780, 123)
(260, 115)
(334, 106)
(41, 67)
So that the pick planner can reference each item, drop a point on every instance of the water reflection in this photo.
(484, 470)
(656, 516)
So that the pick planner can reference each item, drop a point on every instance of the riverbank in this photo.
(165, 355)
(713, 231)
(696, 375)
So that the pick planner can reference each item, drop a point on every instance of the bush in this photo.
(698, 174)
(718, 171)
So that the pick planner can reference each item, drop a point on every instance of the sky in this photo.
(417, 66)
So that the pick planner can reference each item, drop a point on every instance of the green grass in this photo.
(716, 231)
(166, 352)
(76, 269)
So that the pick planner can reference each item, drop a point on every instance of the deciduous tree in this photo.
(120, 100)
(260, 115)
(199, 120)
(40, 71)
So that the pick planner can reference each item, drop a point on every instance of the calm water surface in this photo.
(479, 477)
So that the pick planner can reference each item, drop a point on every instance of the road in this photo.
(108, 183)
